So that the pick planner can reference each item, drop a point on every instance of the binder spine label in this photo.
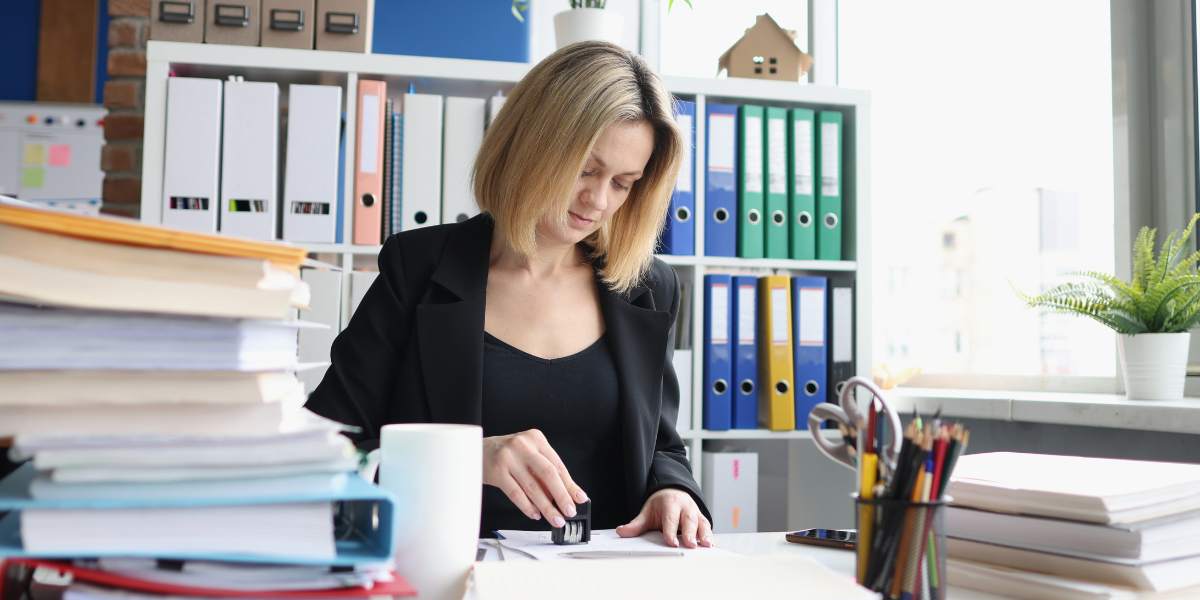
(721, 150)
(753, 155)
(812, 317)
(684, 183)
(746, 323)
(779, 316)
(720, 314)
(830, 155)
(777, 169)
(843, 343)
(367, 145)
(802, 154)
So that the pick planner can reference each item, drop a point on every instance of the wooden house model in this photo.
(767, 51)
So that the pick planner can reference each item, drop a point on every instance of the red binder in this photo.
(368, 164)
(397, 587)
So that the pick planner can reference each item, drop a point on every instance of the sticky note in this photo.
(60, 155)
(33, 177)
(35, 154)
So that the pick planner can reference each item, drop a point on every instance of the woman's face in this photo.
(616, 162)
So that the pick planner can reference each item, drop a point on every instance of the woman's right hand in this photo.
(529, 471)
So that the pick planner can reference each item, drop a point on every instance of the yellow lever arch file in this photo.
(776, 396)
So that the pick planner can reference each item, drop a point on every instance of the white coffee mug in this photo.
(436, 473)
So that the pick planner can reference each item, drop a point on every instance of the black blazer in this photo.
(413, 352)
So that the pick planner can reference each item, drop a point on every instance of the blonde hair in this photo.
(536, 148)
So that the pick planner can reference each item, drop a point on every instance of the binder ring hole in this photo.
(753, 216)
(720, 215)
(461, 217)
(682, 214)
(841, 385)
(831, 220)
(368, 200)
(782, 387)
(804, 219)
(811, 388)
(747, 387)
(720, 386)
(420, 217)
(778, 217)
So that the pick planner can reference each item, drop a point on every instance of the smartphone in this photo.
(832, 538)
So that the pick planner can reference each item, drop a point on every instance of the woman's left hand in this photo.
(676, 513)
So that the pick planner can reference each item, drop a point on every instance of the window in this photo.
(993, 164)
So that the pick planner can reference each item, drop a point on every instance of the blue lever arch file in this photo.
(809, 317)
(720, 176)
(718, 368)
(368, 519)
(745, 352)
(679, 235)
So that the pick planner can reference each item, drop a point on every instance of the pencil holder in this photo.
(901, 548)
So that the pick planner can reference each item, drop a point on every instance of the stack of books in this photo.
(1041, 526)
(148, 376)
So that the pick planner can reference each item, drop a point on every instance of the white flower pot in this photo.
(582, 24)
(1154, 365)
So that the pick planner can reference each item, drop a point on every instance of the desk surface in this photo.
(839, 561)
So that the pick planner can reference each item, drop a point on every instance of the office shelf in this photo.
(454, 77)
(670, 259)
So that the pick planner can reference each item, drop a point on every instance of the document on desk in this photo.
(538, 545)
(778, 576)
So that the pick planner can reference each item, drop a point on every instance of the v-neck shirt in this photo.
(574, 402)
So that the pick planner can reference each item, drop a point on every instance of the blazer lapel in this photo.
(636, 331)
(449, 322)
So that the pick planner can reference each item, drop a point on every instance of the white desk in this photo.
(839, 561)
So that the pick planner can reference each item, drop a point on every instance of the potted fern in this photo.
(1152, 313)
(587, 20)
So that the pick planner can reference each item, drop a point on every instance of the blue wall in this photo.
(19, 41)
(102, 52)
(19, 21)
(478, 29)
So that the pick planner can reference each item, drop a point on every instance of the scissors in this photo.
(849, 416)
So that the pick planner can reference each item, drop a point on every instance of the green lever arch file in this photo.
(829, 188)
(776, 150)
(802, 196)
(750, 182)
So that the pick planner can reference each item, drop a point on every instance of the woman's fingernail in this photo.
(558, 522)
(580, 496)
(536, 516)
(708, 542)
(570, 511)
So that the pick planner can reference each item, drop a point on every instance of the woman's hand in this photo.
(529, 471)
(675, 512)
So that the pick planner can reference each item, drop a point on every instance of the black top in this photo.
(413, 352)
(573, 401)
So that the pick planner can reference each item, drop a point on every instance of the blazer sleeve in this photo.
(670, 467)
(360, 384)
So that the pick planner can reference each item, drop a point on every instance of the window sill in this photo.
(1060, 408)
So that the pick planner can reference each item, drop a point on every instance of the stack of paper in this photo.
(1087, 527)
(149, 377)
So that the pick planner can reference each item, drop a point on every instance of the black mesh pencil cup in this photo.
(902, 548)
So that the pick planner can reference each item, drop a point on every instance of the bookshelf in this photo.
(483, 79)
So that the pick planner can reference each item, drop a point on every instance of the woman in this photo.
(546, 319)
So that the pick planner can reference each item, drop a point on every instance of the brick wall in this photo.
(124, 96)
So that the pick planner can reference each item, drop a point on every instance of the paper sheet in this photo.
(538, 544)
(778, 577)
